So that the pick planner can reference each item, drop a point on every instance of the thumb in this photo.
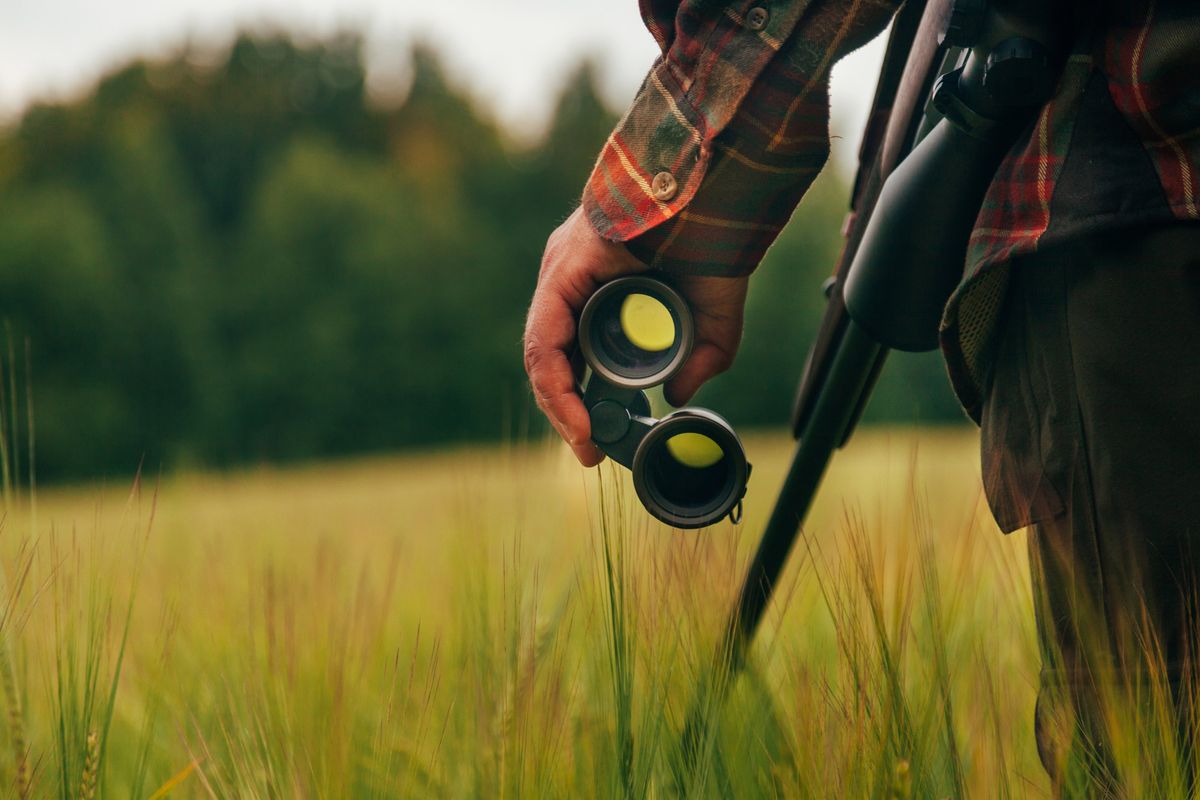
(717, 308)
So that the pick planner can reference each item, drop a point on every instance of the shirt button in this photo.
(664, 186)
(757, 18)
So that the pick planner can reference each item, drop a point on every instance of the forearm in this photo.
(735, 133)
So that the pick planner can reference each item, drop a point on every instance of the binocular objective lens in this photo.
(647, 323)
(636, 335)
(688, 487)
(694, 450)
(636, 332)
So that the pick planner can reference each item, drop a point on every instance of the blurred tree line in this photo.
(249, 259)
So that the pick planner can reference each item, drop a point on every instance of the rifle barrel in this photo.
(850, 377)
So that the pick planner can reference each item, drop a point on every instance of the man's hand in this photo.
(576, 262)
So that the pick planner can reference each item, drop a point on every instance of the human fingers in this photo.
(575, 262)
(549, 333)
(718, 306)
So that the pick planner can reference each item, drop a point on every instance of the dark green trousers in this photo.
(1091, 436)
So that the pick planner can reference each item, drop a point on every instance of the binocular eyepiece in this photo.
(689, 468)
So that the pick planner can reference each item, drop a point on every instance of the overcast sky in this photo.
(512, 53)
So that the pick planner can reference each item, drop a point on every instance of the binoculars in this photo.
(689, 468)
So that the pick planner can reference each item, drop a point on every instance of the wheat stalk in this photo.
(91, 767)
(16, 721)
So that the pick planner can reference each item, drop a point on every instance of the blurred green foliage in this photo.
(216, 263)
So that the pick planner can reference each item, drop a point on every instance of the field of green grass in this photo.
(502, 623)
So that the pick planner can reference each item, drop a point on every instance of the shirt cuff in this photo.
(702, 173)
(651, 165)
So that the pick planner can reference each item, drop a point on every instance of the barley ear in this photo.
(91, 767)
(901, 781)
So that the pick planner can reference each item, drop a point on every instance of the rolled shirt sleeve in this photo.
(728, 130)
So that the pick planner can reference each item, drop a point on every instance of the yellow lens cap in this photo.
(647, 323)
(694, 450)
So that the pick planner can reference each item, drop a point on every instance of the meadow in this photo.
(501, 623)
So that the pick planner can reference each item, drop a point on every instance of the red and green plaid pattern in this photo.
(1129, 93)
(1014, 217)
(1151, 57)
(738, 117)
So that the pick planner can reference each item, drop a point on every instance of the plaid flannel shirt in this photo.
(730, 128)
